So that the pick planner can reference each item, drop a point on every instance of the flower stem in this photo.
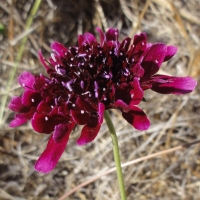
(116, 154)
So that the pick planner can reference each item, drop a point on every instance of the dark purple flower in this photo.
(86, 80)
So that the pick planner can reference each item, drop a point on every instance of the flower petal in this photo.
(122, 92)
(43, 123)
(112, 35)
(17, 122)
(61, 130)
(26, 80)
(171, 51)
(137, 70)
(27, 115)
(53, 152)
(86, 38)
(88, 134)
(136, 93)
(154, 58)
(43, 107)
(101, 109)
(59, 48)
(137, 118)
(102, 36)
(173, 85)
(139, 43)
(39, 82)
(43, 60)
(30, 98)
(84, 105)
(124, 46)
(122, 105)
(16, 105)
(79, 116)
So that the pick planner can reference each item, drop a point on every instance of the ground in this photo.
(175, 120)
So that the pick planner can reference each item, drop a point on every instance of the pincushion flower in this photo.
(86, 80)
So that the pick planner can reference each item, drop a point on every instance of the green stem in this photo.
(116, 154)
(18, 58)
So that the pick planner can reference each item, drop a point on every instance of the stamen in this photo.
(32, 100)
(82, 55)
(46, 118)
(85, 93)
(82, 111)
(53, 57)
(69, 87)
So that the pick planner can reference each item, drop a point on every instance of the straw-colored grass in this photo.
(175, 120)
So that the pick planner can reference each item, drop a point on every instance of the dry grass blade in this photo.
(18, 58)
(102, 15)
(174, 119)
(127, 164)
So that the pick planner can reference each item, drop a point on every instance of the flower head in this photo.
(84, 81)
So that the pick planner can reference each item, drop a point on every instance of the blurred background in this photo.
(175, 120)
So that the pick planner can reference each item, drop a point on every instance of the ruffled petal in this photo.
(88, 134)
(17, 122)
(26, 80)
(173, 85)
(16, 105)
(52, 153)
(43, 123)
(59, 48)
(154, 58)
(86, 38)
(137, 118)
(171, 51)
(27, 115)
